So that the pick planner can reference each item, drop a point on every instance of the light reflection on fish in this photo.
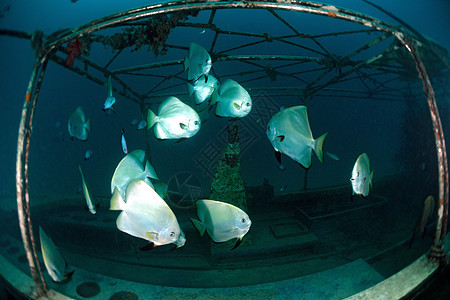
(289, 133)
(202, 90)
(124, 142)
(361, 176)
(132, 166)
(221, 220)
(198, 62)
(79, 126)
(54, 262)
(145, 215)
(87, 195)
(232, 100)
(175, 120)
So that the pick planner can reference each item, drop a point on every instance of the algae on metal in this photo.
(227, 184)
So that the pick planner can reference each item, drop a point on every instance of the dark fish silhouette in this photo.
(421, 225)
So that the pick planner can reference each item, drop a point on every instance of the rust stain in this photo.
(331, 14)
(28, 97)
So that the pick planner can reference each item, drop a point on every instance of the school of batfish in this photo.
(144, 212)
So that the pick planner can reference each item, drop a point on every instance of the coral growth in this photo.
(73, 50)
(154, 33)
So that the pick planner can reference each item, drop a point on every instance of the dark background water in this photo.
(354, 126)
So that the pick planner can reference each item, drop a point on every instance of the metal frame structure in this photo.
(154, 17)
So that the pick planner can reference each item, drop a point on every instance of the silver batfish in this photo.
(175, 120)
(361, 176)
(232, 100)
(54, 262)
(132, 167)
(289, 133)
(221, 220)
(79, 126)
(198, 62)
(89, 202)
(145, 215)
(201, 90)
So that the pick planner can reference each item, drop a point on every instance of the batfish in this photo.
(361, 176)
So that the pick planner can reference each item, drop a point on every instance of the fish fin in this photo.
(199, 226)
(318, 146)
(214, 97)
(237, 106)
(371, 177)
(117, 202)
(281, 138)
(190, 89)
(151, 119)
(152, 235)
(238, 242)
(148, 247)
(88, 125)
(278, 156)
(183, 126)
(206, 78)
(68, 275)
(186, 63)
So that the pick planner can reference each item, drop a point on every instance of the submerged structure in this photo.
(299, 236)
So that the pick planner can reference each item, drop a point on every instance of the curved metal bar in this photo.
(437, 251)
(22, 193)
(25, 127)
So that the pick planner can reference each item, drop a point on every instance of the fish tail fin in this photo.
(190, 89)
(370, 180)
(151, 119)
(214, 97)
(81, 172)
(199, 226)
(117, 202)
(88, 125)
(186, 63)
(318, 146)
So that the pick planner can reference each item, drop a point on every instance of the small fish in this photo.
(87, 195)
(58, 124)
(202, 90)
(361, 176)
(124, 142)
(332, 155)
(198, 62)
(232, 100)
(109, 102)
(281, 167)
(142, 124)
(202, 32)
(88, 154)
(175, 120)
(54, 262)
(79, 126)
(145, 215)
(221, 220)
(289, 133)
(421, 225)
(132, 167)
(134, 122)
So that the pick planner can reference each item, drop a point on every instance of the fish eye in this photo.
(268, 127)
(195, 122)
(172, 234)
(243, 220)
(248, 103)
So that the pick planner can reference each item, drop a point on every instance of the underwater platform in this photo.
(301, 237)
